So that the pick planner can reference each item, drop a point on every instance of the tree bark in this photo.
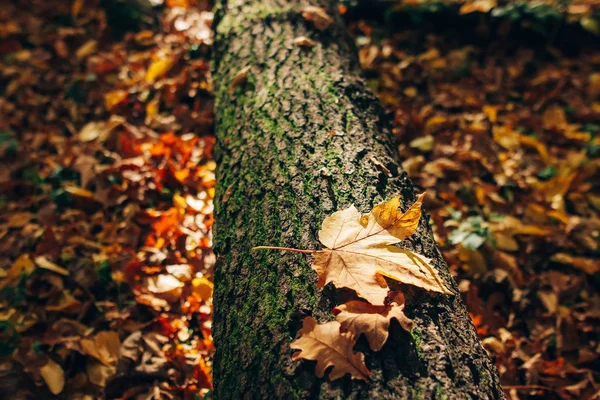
(300, 139)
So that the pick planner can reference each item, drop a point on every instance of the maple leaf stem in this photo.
(283, 248)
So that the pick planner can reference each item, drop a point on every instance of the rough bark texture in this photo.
(302, 138)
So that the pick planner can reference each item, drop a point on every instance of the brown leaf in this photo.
(318, 16)
(104, 347)
(359, 248)
(239, 79)
(325, 344)
(359, 317)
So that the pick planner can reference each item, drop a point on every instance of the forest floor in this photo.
(107, 182)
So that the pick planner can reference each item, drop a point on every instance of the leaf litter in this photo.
(107, 185)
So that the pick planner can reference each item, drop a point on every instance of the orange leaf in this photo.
(318, 16)
(359, 317)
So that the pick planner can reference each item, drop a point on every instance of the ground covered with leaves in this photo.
(107, 182)
(504, 138)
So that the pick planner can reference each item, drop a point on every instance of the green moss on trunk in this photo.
(294, 144)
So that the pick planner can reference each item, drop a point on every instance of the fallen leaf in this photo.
(554, 117)
(98, 130)
(44, 263)
(158, 68)
(303, 41)
(359, 317)
(587, 265)
(239, 79)
(19, 219)
(88, 48)
(482, 6)
(54, 376)
(360, 247)
(423, 143)
(202, 287)
(104, 347)
(114, 97)
(99, 373)
(22, 265)
(325, 344)
(318, 16)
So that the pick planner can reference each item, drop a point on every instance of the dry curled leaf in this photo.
(328, 346)
(239, 79)
(303, 41)
(358, 317)
(318, 16)
(360, 247)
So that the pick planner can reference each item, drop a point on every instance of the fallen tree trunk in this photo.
(300, 138)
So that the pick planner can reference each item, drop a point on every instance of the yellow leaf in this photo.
(79, 192)
(491, 112)
(435, 122)
(158, 68)
(506, 137)
(23, 264)
(88, 48)
(359, 317)
(587, 265)
(54, 376)
(505, 242)
(203, 288)
(44, 263)
(360, 247)
(152, 107)
(482, 6)
(325, 344)
(99, 373)
(113, 98)
(76, 8)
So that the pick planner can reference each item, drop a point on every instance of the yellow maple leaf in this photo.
(359, 317)
(359, 248)
(359, 251)
(328, 346)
